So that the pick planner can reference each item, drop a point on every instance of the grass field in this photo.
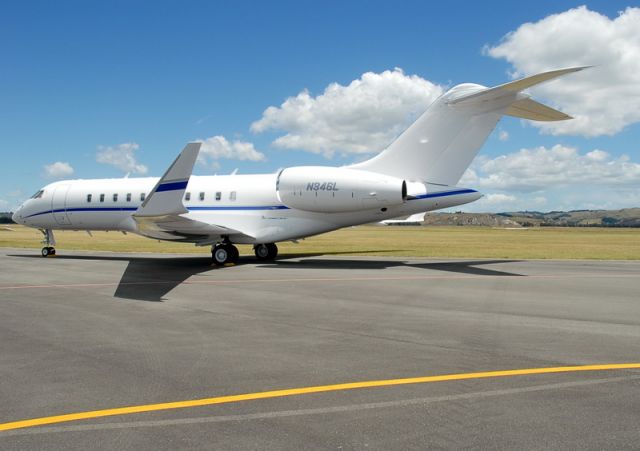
(467, 242)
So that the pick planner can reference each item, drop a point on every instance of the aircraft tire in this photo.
(220, 254)
(267, 251)
(45, 252)
(234, 254)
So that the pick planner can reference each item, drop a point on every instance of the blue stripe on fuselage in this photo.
(237, 208)
(62, 210)
(444, 193)
(258, 207)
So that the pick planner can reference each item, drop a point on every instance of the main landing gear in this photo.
(267, 251)
(223, 253)
(49, 241)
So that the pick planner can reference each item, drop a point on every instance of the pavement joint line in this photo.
(313, 279)
(306, 390)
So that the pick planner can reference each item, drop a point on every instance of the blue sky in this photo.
(98, 89)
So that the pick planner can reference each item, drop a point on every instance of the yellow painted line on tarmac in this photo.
(305, 390)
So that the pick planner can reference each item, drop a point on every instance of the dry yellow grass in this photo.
(467, 242)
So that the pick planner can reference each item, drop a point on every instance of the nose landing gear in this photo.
(49, 241)
(48, 250)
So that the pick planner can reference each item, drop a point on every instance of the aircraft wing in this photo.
(180, 228)
(161, 214)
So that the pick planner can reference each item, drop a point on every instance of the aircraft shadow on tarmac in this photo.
(462, 267)
(151, 278)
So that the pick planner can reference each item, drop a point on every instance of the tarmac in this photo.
(93, 332)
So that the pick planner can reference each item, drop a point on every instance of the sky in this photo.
(106, 89)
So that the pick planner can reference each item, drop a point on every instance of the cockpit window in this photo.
(38, 195)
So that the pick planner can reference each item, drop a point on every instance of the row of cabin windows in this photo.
(218, 195)
(187, 196)
(115, 197)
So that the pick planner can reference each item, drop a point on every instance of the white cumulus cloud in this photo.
(498, 198)
(58, 170)
(492, 202)
(604, 99)
(122, 157)
(362, 117)
(219, 147)
(541, 168)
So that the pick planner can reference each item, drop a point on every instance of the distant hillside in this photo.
(628, 217)
(469, 219)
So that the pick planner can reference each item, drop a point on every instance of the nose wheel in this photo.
(49, 241)
(224, 253)
(48, 250)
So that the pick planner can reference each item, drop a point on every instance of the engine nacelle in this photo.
(336, 190)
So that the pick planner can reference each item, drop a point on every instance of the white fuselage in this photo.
(250, 203)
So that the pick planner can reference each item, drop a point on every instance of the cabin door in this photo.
(59, 204)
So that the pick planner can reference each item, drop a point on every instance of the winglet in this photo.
(166, 196)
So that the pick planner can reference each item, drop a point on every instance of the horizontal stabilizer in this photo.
(530, 109)
(527, 82)
(514, 87)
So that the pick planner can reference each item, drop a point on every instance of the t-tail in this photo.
(439, 146)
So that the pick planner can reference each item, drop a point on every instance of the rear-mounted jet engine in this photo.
(336, 190)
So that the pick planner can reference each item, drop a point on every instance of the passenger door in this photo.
(59, 204)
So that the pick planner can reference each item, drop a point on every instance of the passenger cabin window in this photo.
(128, 197)
(115, 197)
(232, 195)
(187, 196)
(89, 198)
(201, 196)
(142, 197)
(218, 195)
(101, 197)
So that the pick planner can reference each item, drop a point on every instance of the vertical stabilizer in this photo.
(439, 146)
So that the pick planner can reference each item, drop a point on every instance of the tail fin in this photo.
(440, 145)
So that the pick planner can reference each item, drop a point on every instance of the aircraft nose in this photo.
(17, 216)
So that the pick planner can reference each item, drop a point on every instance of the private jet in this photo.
(416, 173)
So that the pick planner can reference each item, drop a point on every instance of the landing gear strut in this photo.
(267, 251)
(223, 253)
(49, 241)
